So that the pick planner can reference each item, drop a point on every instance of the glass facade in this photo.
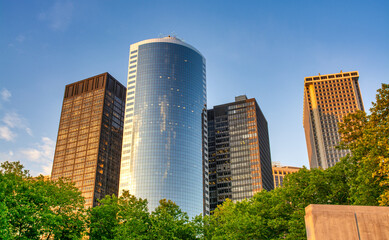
(166, 93)
(90, 137)
(238, 151)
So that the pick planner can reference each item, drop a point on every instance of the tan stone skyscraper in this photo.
(327, 99)
(90, 136)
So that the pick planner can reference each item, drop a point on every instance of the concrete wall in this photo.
(329, 222)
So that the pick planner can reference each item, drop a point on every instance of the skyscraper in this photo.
(166, 92)
(327, 99)
(238, 151)
(89, 138)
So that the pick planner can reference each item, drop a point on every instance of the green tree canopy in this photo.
(279, 214)
(32, 208)
(367, 136)
(126, 217)
(170, 222)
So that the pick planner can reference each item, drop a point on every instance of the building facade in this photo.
(279, 172)
(166, 93)
(89, 138)
(238, 151)
(327, 99)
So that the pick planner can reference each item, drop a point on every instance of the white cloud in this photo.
(5, 157)
(13, 120)
(5, 94)
(46, 170)
(29, 131)
(20, 38)
(59, 15)
(48, 147)
(43, 152)
(31, 154)
(38, 158)
(7, 134)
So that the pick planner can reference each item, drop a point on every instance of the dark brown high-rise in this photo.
(90, 136)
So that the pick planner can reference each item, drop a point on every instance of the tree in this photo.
(126, 217)
(264, 216)
(134, 218)
(168, 221)
(64, 214)
(279, 214)
(367, 136)
(19, 208)
(32, 208)
(103, 219)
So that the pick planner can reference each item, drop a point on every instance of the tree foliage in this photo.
(279, 214)
(126, 217)
(367, 136)
(32, 208)
(170, 222)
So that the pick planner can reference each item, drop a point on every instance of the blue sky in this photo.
(263, 49)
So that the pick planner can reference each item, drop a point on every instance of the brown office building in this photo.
(236, 151)
(327, 99)
(90, 136)
(279, 172)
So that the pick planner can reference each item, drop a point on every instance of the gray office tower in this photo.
(236, 151)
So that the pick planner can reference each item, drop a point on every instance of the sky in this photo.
(263, 49)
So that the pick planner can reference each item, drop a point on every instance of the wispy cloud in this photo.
(44, 150)
(14, 120)
(42, 153)
(59, 15)
(38, 158)
(5, 94)
(7, 134)
(20, 38)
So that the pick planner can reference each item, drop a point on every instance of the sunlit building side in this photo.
(327, 99)
(279, 173)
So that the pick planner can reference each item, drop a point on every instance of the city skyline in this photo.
(263, 50)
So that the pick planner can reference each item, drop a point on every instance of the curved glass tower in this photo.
(161, 154)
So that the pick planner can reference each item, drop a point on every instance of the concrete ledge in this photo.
(346, 222)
